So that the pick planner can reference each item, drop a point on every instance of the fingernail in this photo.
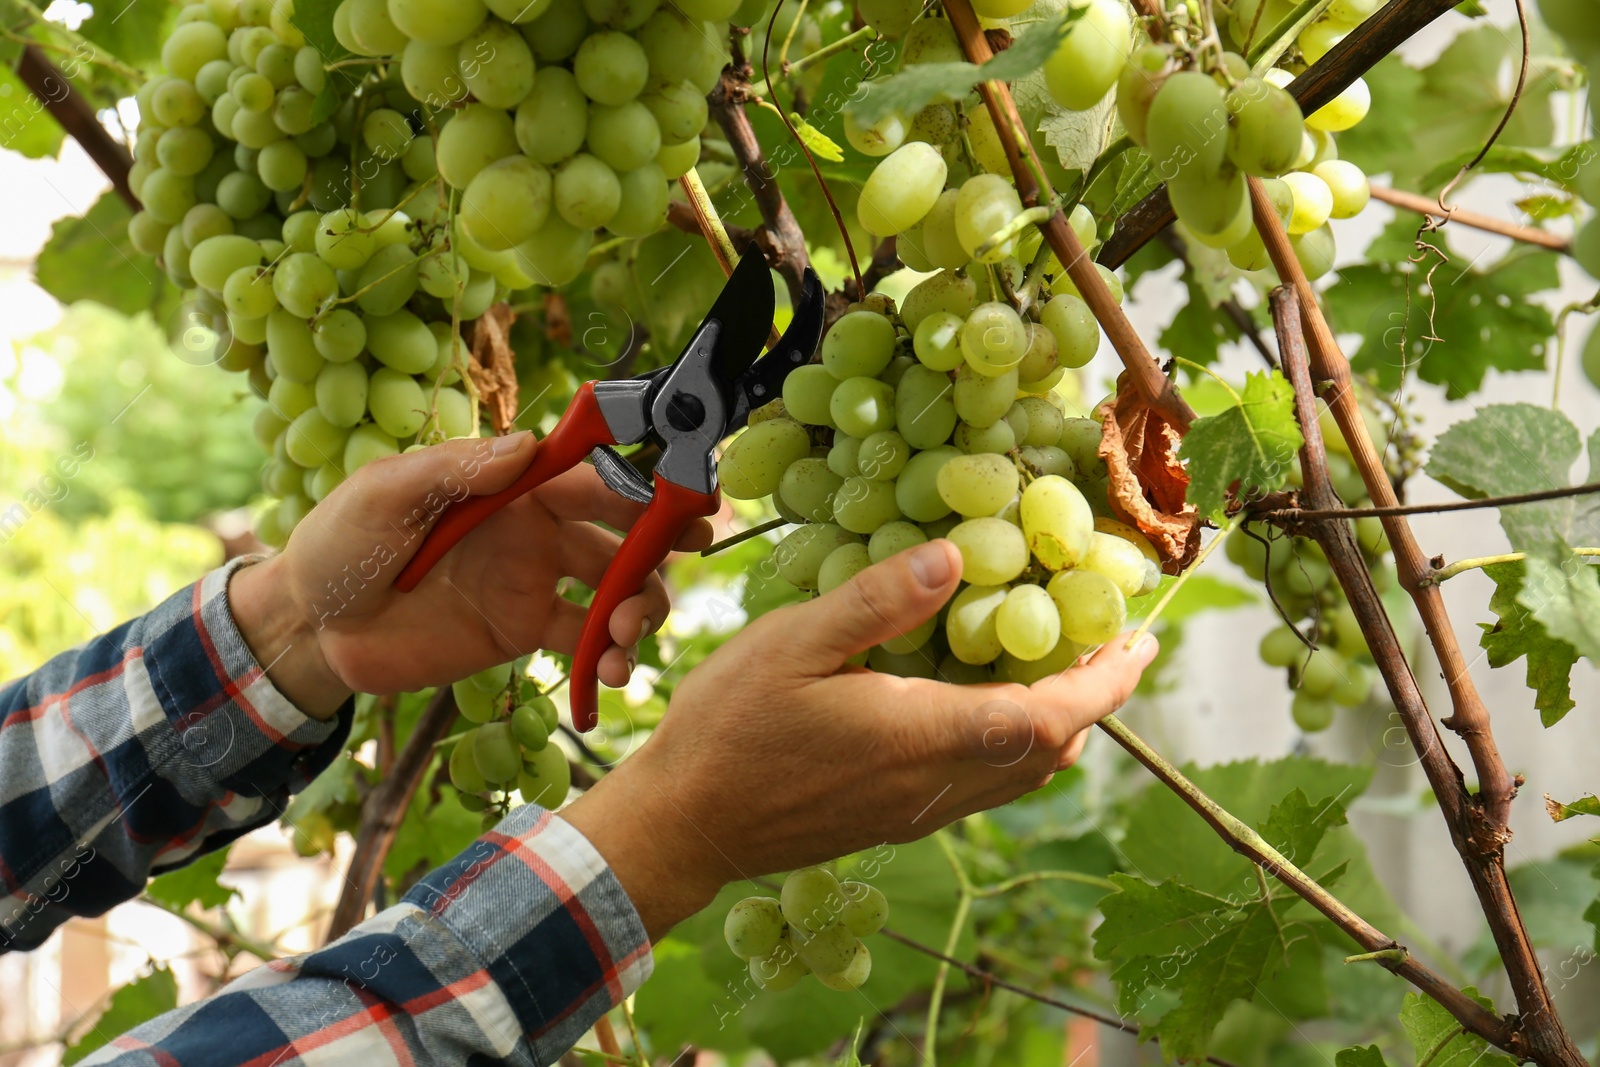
(504, 446)
(931, 564)
(1146, 650)
(633, 659)
(646, 628)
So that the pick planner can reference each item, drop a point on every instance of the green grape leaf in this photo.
(1437, 1037)
(1469, 322)
(1516, 634)
(1252, 444)
(194, 884)
(1295, 826)
(1145, 919)
(1165, 839)
(921, 84)
(90, 258)
(139, 1001)
(314, 19)
(821, 144)
(1588, 804)
(1511, 448)
(1210, 949)
(1231, 966)
(26, 127)
(1564, 596)
(131, 30)
(1358, 1056)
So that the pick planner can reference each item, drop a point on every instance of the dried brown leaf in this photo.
(1147, 481)
(494, 366)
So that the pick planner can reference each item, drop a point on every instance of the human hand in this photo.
(325, 619)
(775, 754)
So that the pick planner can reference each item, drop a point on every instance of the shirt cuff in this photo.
(540, 909)
(228, 716)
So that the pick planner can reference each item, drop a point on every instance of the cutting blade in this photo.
(744, 308)
(763, 382)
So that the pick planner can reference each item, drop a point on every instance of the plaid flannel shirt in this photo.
(163, 739)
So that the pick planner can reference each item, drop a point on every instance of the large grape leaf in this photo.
(1436, 1036)
(139, 1001)
(1564, 596)
(1210, 949)
(1506, 449)
(1516, 634)
(1251, 445)
(1453, 329)
(91, 258)
(194, 884)
(25, 126)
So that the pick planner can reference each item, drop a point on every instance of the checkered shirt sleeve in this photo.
(506, 954)
(138, 751)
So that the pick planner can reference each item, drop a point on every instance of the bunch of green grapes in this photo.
(1205, 131)
(509, 746)
(278, 204)
(814, 926)
(557, 117)
(946, 424)
(1321, 647)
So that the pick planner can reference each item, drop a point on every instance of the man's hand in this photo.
(325, 620)
(775, 754)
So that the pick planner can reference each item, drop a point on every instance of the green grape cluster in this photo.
(1320, 644)
(508, 747)
(945, 423)
(278, 204)
(815, 926)
(1205, 119)
(558, 117)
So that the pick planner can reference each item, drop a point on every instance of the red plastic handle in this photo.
(669, 513)
(581, 428)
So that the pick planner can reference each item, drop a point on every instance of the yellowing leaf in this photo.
(821, 145)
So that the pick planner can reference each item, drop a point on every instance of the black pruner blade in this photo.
(762, 383)
(744, 311)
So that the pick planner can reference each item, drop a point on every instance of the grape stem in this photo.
(743, 536)
(1476, 821)
(1488, 223)
(1380, 954)
(865, 35)
(1172, 590)
(958, 922)
(1033, 216)
(1461, 566)
(1271, 50)
(1391, 511)
(706, 217)
(1078, 877)
(989, 978)
(228, 939)
(1252, 846)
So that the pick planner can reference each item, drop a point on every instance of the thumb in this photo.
(886, 600)
(1077, 698)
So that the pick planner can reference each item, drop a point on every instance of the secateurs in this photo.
(686, 408)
